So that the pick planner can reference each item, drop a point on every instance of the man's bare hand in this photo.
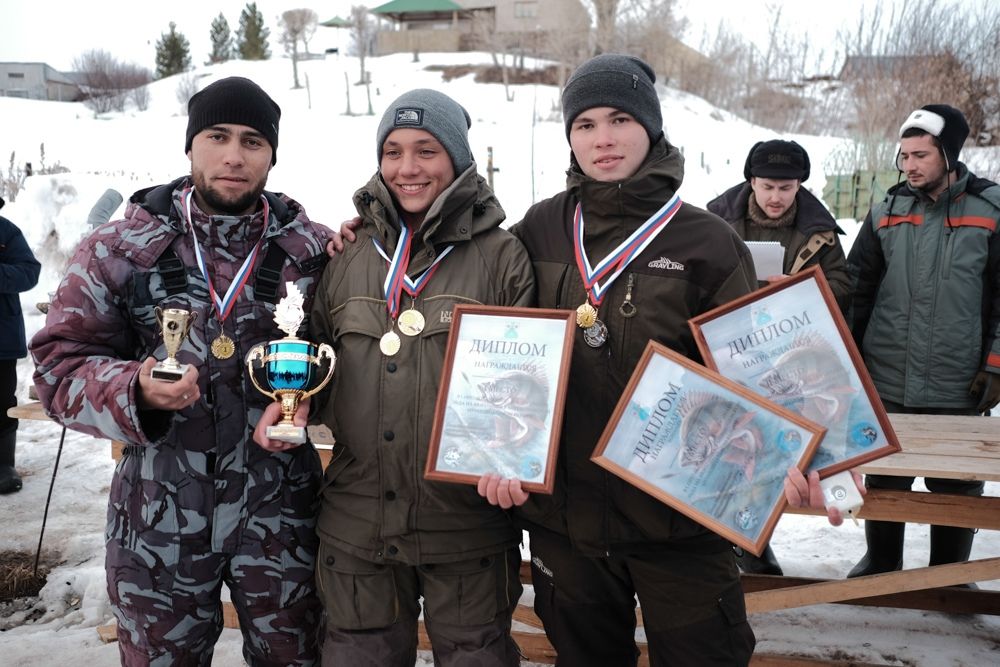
(501, 491)
(802, 492)
(270, 417)
(338, 241)
(158, 395)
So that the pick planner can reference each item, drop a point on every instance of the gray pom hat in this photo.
(435, 112)
(617, 81)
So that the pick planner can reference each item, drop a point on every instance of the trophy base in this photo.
(293, 434)
(165, 374)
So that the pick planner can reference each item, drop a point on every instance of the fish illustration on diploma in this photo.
(811, 379)
(712, 426)
(520, 400)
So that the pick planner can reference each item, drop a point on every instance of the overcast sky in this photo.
(57, 31)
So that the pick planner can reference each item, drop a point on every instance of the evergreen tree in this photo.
(173, 53)
(222, 41)
(251, 38)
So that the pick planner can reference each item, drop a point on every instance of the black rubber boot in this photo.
(766, 563)
(10, 481)
(885, 549)
(950, 544)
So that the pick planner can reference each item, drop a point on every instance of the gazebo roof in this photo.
(336, 22)
(396, 7)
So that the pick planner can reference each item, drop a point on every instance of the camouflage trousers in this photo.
(164, 580)
(372, 610)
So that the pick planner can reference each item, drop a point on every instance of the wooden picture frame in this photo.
(789, 342)
(503, 389)
(706, 446)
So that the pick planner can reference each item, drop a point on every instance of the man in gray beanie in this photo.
(926, 312)
(597, 541)
(195, 503)
(389, 537)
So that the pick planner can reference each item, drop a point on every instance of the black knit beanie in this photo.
(777, 159)
(238, 101)
(617, 81)
(946, 123)
(436, 113)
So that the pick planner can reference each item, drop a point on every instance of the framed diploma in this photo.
(500, 402)
(789, 343)
(706, 446)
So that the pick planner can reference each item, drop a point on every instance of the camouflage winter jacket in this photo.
(695, 264)
(376, 502)
(102, 324)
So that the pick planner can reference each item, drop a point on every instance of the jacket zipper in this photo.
(622, 310)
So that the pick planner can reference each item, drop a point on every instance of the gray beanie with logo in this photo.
(617, 81)
(443, 117)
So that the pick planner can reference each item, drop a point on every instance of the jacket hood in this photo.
(659, 176)
(811, 216)
(466, 208)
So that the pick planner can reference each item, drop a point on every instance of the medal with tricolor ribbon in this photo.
(597, 280)
(410, 322)
(223, 346)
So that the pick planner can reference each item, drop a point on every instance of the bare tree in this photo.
(929, 51)
(106, 81)
(362, 32)
(187, 86)
(605, 13)
(296, 24)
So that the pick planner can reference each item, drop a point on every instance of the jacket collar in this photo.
(811, 215)
(642, 194)
(466, 208)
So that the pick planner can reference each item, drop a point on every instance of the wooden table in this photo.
(962, 448)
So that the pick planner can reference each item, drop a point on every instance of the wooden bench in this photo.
(966, 448)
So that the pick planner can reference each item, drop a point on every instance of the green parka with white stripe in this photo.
(926, 307)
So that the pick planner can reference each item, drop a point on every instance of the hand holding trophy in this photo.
(289, 363)
(175, 323)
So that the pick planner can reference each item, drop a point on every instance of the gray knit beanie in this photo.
(443, 117)
(618, 81)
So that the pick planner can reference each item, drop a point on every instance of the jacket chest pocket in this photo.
(146, 293)
(362, 316)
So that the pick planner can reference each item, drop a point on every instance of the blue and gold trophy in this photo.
(290, 366)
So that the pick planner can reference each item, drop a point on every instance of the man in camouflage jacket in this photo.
(194, 502)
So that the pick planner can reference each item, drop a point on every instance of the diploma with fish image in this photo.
(789, 343)
(706, 446)
(500, 401)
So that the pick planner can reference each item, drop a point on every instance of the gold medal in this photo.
(389, 343)
(586, 315)
(223, 347)
(411, 322)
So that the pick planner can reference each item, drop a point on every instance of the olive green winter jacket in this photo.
(927, 299)
(376, 503)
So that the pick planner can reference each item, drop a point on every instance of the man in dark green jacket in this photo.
(598, 541)
(926, 307)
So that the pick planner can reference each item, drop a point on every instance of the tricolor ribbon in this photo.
(225, 305)
(396, 280)
(615, 263)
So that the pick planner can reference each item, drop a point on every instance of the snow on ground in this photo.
(323, 157)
